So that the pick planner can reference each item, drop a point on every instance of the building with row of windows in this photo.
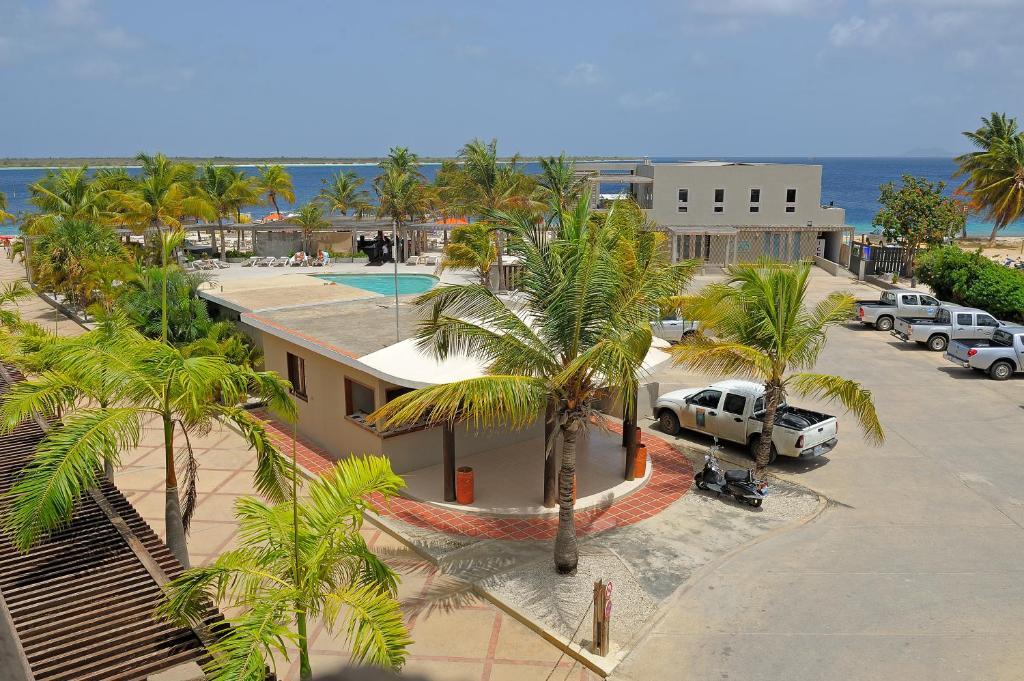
(723, 212)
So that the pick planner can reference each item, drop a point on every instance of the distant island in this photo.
(114, 161)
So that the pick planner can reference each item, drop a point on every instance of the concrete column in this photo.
(448, 460)
(675, 247)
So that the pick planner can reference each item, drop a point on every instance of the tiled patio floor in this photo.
(458, 636)
(671, 477)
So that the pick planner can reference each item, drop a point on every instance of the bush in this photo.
(973, 280)
(238, 254)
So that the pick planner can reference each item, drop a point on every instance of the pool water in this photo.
(384, 283)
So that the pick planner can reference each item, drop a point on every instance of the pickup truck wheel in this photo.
(937, 343)
(1000, 371)
(669, 422)
(884, 324)
(755, 444)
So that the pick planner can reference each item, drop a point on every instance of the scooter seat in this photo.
(736, 476)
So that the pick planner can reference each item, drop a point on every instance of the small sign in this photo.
(701, 418)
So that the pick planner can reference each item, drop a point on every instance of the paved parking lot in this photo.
(916, 570)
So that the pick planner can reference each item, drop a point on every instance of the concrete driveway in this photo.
(916, 570)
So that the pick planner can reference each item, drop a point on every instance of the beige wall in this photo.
(737, 181)
(322, 415)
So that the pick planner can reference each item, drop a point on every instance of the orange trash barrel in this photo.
(464, 485)
(640, 467)
(639, 439)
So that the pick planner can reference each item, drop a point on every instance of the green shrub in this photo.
(973, 280)
(238, 254)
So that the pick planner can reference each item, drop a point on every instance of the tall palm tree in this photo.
(402, 160)
(310, 218)
(994, 174)
(4, 215)
(142, 300)
(581, 330)
(760, 327)
(300, 560)
(142, 379)
(343, 192)
(61, 256)
(66, 194)
(227, 190)
(274, 182)
(559, 185)
(471, 247)
(10, 293)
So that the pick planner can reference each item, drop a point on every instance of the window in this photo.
(754, 209)
(359, 399)
(297, 375)
(755, 195)
(790, 196)
(888, 298)
(392, 393)
(734, 404)
(684, 195)
(718, 209)
(942, 317)
(909, 299)
(707, 399)
(719, 195)
(682, 209)
(928, 300)
(964, 319)
(758, 405)
(790, 209)
(985, 320)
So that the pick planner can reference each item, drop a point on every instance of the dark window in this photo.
(985, 320)
(358, 398)
(718, 209)
(682, 209)
(707, 398)
(297, 375)
(719, 195)
(392, 393)
(734, 403)
(684, 195)
(790, 196)
(758, 405)
(928, 300)
(942, 317)
(909, 299)
(754, 209)
(964, 318)
(790, 209)
(755, 195)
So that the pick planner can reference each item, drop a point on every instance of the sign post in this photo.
(602, 616)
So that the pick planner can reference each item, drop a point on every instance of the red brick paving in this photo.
(671, 477)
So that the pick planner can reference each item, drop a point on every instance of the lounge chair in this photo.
(221, 265)
(266, 262)
(280, 262)
(430, 260)
(251, 261)
(189, 267)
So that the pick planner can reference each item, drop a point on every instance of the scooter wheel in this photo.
(701, 485)
(756, 503)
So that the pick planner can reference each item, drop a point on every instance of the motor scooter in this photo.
(739, 484)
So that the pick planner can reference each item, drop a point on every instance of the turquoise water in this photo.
(384, 283)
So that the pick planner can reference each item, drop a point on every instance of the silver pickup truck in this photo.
(734, 410)
(1000, 357)
(882, 313)
(951, 322)
(672, 328)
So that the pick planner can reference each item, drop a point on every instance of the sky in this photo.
(693, 78)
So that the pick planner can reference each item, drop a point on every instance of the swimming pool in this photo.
(384, 283)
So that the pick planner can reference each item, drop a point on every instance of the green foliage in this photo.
(187, 316)
(274, 182)
(4, 215)
(471, 247)
(917, 214)
(994, 174)
(343, 192)
(973, 280)
(64, 257)
(310, 218)
(296, 561)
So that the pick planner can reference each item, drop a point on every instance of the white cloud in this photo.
(856, 31)
(583, 73)
(100, 68)
(778, 7)
(73, 13)
(116, 37)
(657, 100)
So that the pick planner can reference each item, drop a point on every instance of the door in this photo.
(910, 306)
(732, 425)
(702, 411)
(929, 306)
(963, 325)
(985, 325)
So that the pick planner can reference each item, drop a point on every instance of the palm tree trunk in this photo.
(172, 505)
(992, 237)
(108, 469)
(305, 671)
(771, 396)
(273, 200)
(550, 457)
(567, 554)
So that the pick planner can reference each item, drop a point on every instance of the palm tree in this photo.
(227, 190)
(310, 218)
(471, 247)
(344, 193)
(141, 379)
(61, 256)
(761, 328)
(66, 194)
(10, 292)
(4, 215)
(274, 182)
(143, 302)
(402, 160)
(402, 197)
(559, 185)
(994, 175)
(300, 560)
(589, 293)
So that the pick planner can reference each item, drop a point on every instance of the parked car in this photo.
(882, 313)
(951, 322)
(734, 411)
(1001, 356)
(672, 328)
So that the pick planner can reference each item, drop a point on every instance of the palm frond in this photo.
(849, 393)
(704, 354)
(375, 628)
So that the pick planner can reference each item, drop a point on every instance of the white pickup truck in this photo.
(882, 313)
(734, 410)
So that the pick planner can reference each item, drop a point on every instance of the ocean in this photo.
(851, 183)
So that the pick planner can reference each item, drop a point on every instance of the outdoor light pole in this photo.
(394, 259)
